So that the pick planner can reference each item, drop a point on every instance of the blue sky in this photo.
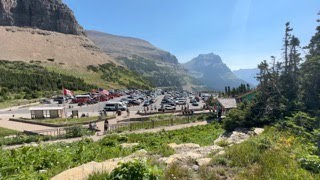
(242, 32)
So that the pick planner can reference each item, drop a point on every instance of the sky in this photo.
(242, 32)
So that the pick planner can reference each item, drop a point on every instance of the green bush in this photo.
(311, 163)
(235, 118)
(133, 170)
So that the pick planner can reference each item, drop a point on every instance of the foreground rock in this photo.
(83, 172)
(188, 155)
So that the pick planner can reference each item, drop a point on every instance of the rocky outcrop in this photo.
(84, 171)
(51, 15)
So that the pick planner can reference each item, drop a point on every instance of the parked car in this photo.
(181, 102)
(167, 107)
(134, 102)
(45, 101)
(92, 101)
(147, 103)
(195, 103)
(114, 106)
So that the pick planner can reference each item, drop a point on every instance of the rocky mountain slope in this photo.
(28, 44)
(156, 65)
(51, 15)
(46, 33)
(248, 75)
(120, 46)
(212, 72)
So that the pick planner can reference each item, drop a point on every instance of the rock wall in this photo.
(51, 15)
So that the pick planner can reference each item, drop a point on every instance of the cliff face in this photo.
(51, 15)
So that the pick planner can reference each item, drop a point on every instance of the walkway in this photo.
(99, 137)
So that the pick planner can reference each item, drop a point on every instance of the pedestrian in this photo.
(128, 112)
(106, 125)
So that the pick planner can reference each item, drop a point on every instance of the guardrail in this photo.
(151, 124)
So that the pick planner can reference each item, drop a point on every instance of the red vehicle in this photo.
(114, 95)
(81, 99)
(102, 98)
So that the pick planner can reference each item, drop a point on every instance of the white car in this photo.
(181, 102)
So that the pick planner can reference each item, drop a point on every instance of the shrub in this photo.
(235, 118)
(175, 171)
(311, 163)
(136, 170)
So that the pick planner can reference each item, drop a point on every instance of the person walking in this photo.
(106, 125)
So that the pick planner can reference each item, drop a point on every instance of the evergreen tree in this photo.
(310, 76)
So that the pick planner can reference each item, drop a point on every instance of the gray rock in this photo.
(195, 168)
(51, 15)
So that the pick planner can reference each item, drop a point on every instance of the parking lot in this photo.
(94, 109)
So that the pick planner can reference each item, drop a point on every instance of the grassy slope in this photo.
(88, 76)
(25, 163)
(272, 155)
(95, 78)
(6, 132)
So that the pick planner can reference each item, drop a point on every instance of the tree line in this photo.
(288, 85)
(23, 80)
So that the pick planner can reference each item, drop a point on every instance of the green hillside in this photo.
(22, 80)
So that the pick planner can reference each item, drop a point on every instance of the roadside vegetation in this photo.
(6, 132)
(17, 138)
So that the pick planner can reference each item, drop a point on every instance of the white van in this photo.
(114, 106)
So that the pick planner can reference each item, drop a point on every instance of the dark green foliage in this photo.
(242, 89)
(133, 170)
(32, 81)
(285, 87)
(311, 163)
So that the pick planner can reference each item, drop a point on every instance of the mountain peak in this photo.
(210, 70)
(209, 58)
(51, 15)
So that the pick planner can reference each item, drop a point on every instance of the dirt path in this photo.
(99, 137)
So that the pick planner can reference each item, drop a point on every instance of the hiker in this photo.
(106, 125)
(128, 112)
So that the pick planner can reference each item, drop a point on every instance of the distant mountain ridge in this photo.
(248, 75)
(120, 46)
(212, 72)
(158, 66)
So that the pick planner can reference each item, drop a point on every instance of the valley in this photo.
(81, 97)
